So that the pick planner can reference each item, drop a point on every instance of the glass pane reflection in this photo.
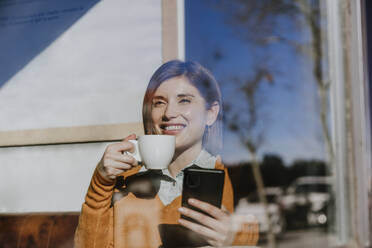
(269, 59)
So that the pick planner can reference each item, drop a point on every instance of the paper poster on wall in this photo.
(76, 62)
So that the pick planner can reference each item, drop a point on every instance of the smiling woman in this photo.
(182, 113)
(193, 87)
(182, 99)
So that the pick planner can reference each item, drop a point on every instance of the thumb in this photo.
(130, 137)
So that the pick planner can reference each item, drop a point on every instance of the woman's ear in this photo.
(213, 113)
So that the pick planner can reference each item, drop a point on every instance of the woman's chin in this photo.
(180, 145)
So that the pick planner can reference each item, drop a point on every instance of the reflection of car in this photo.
(252, 205)
(307, 201)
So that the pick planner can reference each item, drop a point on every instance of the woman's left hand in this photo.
(217, 230)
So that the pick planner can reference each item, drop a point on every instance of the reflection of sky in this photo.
(290, 121)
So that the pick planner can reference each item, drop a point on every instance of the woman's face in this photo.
(179, 109)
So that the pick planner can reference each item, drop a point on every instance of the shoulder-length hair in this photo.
(207, 86)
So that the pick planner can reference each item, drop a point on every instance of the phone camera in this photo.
(193, 181)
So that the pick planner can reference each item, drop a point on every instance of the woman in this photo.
(182, 99)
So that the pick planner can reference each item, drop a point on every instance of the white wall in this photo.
(94, 73)
(46, 178)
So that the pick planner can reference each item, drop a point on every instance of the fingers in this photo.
(215, 228)
(208, 208)
(117, 165)
(130, 137)
(112, 173)
(203, 219)
(114, 161)
(122, 158)
(121, 147)
(207, 232)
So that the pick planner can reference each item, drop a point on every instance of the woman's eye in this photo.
(184, 101)
(158, 103)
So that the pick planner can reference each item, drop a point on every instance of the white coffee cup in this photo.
(154, 151)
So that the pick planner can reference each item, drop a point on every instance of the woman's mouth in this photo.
(172, 129)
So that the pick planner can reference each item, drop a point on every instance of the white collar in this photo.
(204, 160)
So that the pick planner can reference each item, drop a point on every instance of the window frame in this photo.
(350, 120)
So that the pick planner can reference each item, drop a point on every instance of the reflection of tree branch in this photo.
(261, 19)
(312, 17)
(259, 23)
(250, 136)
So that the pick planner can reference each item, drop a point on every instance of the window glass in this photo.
(269, 58)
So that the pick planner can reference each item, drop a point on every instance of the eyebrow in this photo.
(184, 95)
(158, 97)
(178, 96)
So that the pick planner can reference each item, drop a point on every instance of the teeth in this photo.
(171, 128)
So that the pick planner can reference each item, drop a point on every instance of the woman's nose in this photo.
(171, 111)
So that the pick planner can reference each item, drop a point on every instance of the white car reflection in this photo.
(307, 201)
(251, 205)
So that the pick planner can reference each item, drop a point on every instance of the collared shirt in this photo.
(171, 188)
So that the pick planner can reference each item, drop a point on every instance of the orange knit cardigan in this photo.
(133, 222)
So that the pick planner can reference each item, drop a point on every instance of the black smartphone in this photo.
(202, 184)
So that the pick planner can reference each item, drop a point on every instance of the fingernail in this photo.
(192, 201)
(181, 210)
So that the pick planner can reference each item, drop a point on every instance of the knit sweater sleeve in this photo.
(95, 228)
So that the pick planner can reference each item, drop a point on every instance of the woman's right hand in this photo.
(115, 161)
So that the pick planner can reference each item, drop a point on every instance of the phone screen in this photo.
(202, 184)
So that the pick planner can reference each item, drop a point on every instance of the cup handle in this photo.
(136, 153)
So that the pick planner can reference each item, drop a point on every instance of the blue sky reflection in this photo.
(288, 106)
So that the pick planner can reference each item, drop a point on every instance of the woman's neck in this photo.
(183, 158)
